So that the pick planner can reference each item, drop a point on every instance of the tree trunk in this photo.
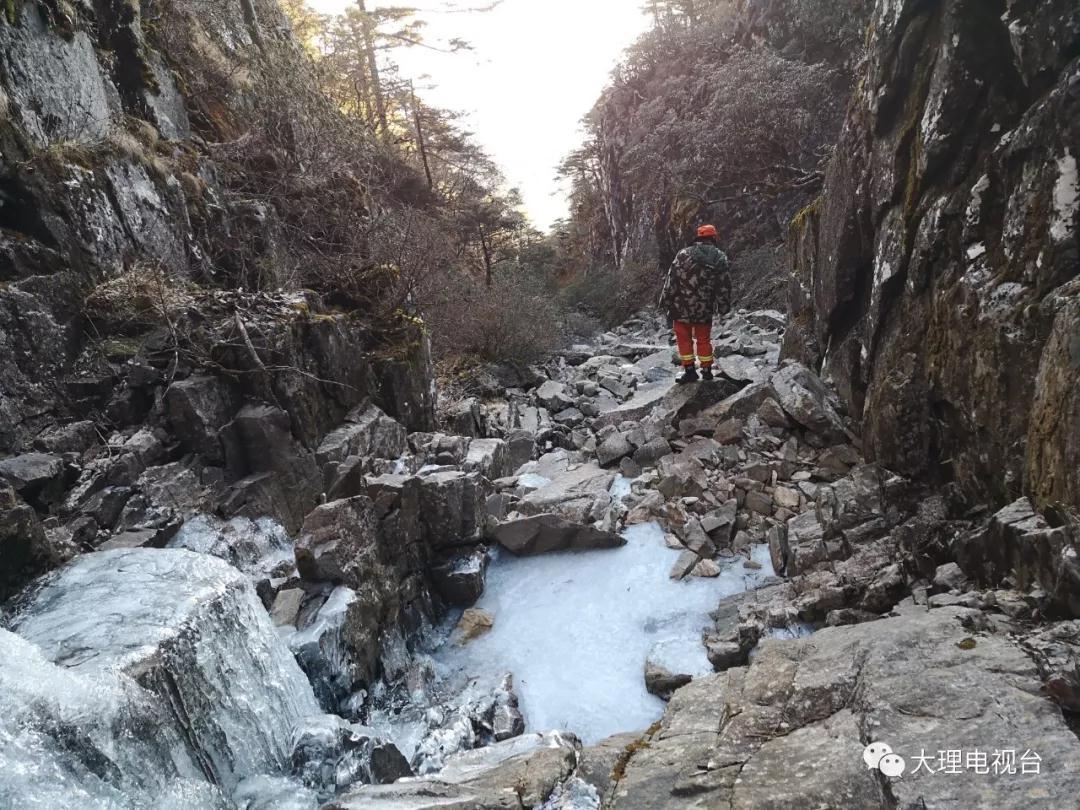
(373, 69)
(420, 138)
(487, 255)
(252, 20)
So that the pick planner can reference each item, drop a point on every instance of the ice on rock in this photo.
(188, 628)
(575, 630)
(76, 739)
(274, 793)
(320, 648)
(533, 481)
(620, 487)
(793, 631)
(256, 547)
(573, 794)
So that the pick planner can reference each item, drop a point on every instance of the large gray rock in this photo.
(553, 396)
(336, 540)
(1020, 544)
(541, 534)
(279, 477)
(641, 404)
(36, 477)
(490, 457)
(741, 404)
(460, 580)
(452, 507)
(198, 408)
(923, 682)
(26, 551)
(368, 433)
(571, 487)
(519, 773)
(613, 449)
(805, 398)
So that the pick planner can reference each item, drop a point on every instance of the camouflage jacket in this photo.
(698, 285)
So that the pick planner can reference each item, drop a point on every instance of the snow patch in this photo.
(975, 251)
(1066, 199)
(575, 630)
(533, 481)
(974, 209)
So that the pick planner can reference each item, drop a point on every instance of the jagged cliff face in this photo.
(122, 221)
(936, 279)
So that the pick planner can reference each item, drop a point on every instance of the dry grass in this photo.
(143, 296)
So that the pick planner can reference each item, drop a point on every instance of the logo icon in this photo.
(879, 756)
(873, 753)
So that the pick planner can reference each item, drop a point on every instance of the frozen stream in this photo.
(575, 629)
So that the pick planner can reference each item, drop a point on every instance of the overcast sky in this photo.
(537, 68)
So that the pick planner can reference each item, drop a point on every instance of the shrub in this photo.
(612, 296)
(517, 318)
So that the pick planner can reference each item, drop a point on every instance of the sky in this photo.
(537, 67)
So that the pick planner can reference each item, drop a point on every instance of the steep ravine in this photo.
(246, 562)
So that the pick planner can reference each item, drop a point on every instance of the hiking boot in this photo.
(688, 376)
(706, 373)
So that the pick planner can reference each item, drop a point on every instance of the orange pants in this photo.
(686, 334)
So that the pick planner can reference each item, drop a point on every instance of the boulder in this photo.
(684, 564)
(730, 431)
(260, 451)
(694, 537)
(614, 448)
(760, 503)
(26, 551)
(741, 404)
(519, 772)
(660, 682)
(38, 478)
(1020, 544)
(570, 417)
(452, 507)
(521, 446)
(464, 418)
(687, 401)
(641, 404)
(568, 488)
(489, 457)
(473, 624)
(460, 580)
(198, 408)
(76, 437)
(799, 546)
(330, 753)
(338, 541)
(286, 607)
(552, 395)
(948, 577)
(197, 638)
(651, 452)
(541, 534)
(804, 398)
(368, 433)
(681, 477)
(922, 681)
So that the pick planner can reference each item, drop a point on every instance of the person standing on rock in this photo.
(698, 287)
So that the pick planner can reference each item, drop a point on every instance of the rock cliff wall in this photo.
(936, 279)
(134, 139)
